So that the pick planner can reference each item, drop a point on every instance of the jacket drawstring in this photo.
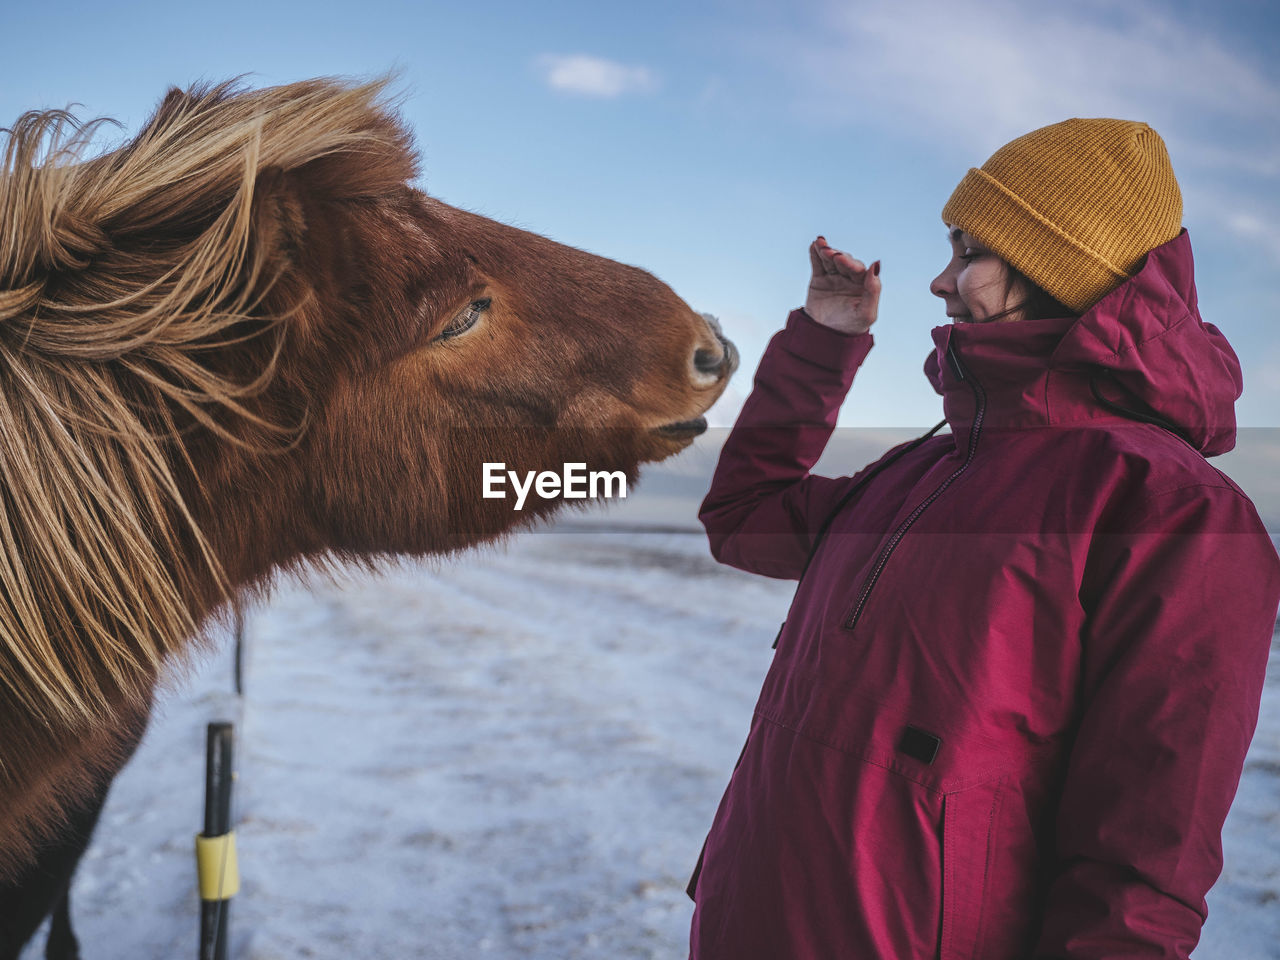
(1138, 415)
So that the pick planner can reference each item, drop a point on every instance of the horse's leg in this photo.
(62, 943)
(46, 884)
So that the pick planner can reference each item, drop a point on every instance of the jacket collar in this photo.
(1143, 344)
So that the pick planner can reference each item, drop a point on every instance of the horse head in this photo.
(465, 342)
(245, 340)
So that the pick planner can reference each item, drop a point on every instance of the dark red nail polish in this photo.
(875, 268)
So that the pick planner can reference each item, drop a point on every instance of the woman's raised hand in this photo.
(844, 294)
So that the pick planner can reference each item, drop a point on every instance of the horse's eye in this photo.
(465, 320)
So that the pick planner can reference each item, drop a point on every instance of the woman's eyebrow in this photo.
(954, 235)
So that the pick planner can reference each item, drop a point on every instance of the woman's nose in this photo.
(941, 285)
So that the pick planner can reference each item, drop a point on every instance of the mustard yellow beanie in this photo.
(1075, 205)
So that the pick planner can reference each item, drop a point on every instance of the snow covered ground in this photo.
(514, 754)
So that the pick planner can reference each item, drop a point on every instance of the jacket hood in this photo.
(1144, 346)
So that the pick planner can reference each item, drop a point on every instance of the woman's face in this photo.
(973, 283)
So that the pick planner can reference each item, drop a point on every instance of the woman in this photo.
(1012, 698)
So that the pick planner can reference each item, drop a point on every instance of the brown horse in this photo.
(243, 341)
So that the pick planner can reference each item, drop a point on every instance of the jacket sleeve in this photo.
(1181, 609)
(764, 508)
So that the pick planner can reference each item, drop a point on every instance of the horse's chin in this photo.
(683, 429)
(671, 438)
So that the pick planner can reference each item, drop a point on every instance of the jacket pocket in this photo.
(968, 828)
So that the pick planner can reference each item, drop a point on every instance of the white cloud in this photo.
(1251, 217)
(978, 76)
(1268, 378)
(594, 76)
(966, 78)
(1249, 226)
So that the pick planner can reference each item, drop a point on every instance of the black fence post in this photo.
(215, 848)
(239, 662)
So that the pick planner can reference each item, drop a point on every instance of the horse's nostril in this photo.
(707, 361)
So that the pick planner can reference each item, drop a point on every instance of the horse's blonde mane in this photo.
(126, 280)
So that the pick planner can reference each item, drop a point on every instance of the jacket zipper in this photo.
(980, 401)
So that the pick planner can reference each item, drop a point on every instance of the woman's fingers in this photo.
(848, 265)
(871, 287)
(826, 253)
(835, 267)
(825, 259)
(815, 259)
(822, 258)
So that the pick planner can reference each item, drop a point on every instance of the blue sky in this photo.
(710, 141)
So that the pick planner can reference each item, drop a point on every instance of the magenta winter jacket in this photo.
(1011, 701)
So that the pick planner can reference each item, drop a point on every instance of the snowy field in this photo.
(515, 754)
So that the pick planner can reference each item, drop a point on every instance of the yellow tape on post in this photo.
(217, 867)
